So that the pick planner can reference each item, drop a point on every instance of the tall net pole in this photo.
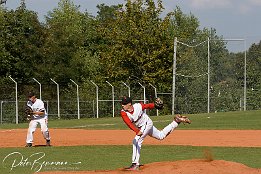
(174, 75)
(245, 75)
(208, 77)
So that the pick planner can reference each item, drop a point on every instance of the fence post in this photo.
(40, 88)
(16, 100)
(97, 99)
(127, 87)
(155, 90)
(144, 92)
(47, 107)
(113, 103)
(78, 99)
(2, 112)
(58, 98)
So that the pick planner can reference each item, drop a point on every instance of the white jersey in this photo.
(139, 117)
(38, 106)
(142, 125)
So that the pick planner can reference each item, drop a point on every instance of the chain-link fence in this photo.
(108, 103)
(91, 100)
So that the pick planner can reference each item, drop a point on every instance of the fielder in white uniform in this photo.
(137, 120)
(39, 116)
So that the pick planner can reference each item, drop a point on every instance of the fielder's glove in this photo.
(28, 113)
(158, 104)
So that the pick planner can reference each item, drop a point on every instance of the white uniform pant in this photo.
(149, 129)
(32, 127)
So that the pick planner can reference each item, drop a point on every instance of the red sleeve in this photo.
(147, 106)
(129, 123)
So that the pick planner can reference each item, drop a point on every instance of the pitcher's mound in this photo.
(181, 167)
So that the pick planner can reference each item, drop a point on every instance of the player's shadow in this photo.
(41, 145)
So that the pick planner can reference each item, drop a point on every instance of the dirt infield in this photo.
(225, 138)
(74, 137)
(181, 167)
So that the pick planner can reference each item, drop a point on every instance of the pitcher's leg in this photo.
(136, 147)
(138, 140)
(160, 135)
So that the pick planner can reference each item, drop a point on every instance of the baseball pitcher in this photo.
(138, 121)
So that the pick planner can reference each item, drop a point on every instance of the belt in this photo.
(137, 119)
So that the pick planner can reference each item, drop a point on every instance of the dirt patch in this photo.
(181, 167)
(75, 137)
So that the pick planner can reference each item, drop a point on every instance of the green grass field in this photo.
(29, 160)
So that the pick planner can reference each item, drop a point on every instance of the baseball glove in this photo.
(158, 104)
(28, 113)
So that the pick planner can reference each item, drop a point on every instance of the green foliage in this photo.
(129, 42)
(21, 37)
(86, 65)
(186, 27)
(136, 46)
(254, 76)
(67, 32)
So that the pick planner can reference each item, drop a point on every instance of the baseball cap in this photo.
(125, 100)
(30, 94)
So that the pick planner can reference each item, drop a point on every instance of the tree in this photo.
(20, 39)
(67, 31)
(254, 76)
(135, 44)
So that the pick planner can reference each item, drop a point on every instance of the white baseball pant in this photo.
(149, 129)
(32, 127)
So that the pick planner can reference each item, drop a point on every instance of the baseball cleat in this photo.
(28, 145)
(132, 167)
(182, 119)
(48, 142)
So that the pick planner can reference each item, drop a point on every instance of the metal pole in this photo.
(40, 87)
(174, 75)
(155, 90)
(245, 78)
(144, 93)
(47, 106)
(16, 100)
(113, 102)
(208, 77)
(58, 98)
(127, 87)
(78, 98)
(93, 109)
(97, 99)
(2, 112)
(240, 104)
